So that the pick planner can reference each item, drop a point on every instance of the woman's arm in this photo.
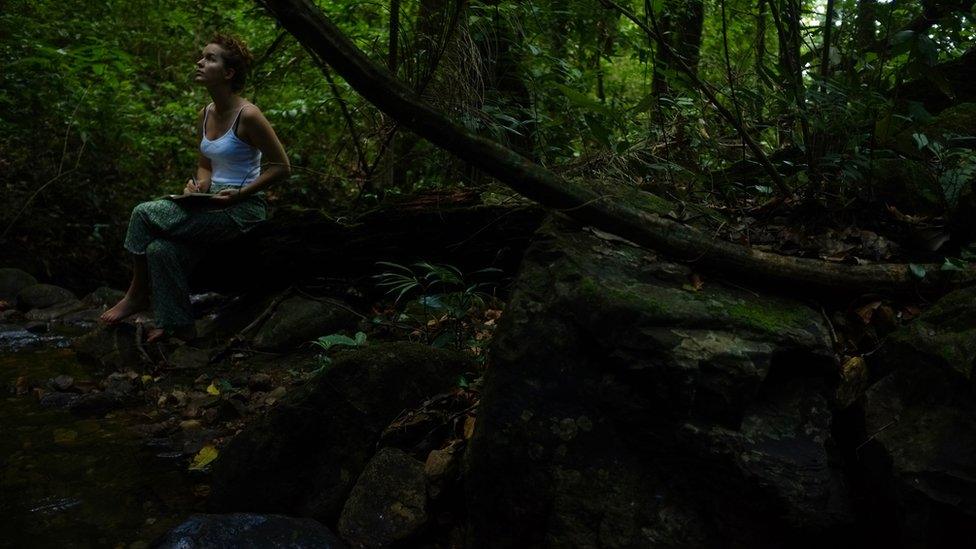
(256, 130)
(204, 171)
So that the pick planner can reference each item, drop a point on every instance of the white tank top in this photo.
(234, 162)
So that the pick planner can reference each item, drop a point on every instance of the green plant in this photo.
(441, 290)
(954, 167)
(334, 340)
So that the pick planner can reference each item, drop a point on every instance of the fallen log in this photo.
(305, 248)
(622, 214)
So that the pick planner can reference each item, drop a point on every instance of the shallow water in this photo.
(72, 482)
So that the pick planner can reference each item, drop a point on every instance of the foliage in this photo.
(333, 340)
(96, 100)
(444, 297)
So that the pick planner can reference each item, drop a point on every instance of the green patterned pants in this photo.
(174, 239)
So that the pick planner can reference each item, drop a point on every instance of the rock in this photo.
(944, 336)
(304, 456)
(920, 424)
(112, 347)
(58, 311)
(103, 297)
(298, 320)
(63, 382)
(441, 467)
(12, 281)
(58, 400)
(121, 383)
(41, 296)
(388, 503)
(36, 327)
(778, 454)
(97, 404)
(259, 382)
(602, 360)
(248, 530)
(189, 358)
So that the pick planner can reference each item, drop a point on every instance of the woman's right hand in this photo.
(191, 187)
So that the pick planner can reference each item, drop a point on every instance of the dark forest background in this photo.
(831, 106)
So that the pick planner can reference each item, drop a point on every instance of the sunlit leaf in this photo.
(203, 458)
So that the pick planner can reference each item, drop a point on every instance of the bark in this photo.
(623, 216)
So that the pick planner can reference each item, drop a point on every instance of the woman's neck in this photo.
(224, 99)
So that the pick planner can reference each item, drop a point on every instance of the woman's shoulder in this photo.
(250, 109)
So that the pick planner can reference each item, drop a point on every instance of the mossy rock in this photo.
(298, 320)
(944, 336)
(605, 352)
(388, 503)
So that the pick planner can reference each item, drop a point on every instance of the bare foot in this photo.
(123, 309)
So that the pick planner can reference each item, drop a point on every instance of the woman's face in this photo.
(210, 66)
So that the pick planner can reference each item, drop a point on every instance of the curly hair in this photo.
(236, 56)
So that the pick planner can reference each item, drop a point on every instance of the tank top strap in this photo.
(237, 120)
(206, 114)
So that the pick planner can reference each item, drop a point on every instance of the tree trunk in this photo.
(682, 23)
(629, 216)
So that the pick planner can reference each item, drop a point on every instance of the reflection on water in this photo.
(72, 482)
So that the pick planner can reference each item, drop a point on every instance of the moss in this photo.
(771, 318)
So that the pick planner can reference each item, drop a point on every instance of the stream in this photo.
(67, 481)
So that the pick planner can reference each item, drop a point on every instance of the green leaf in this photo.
(921, 140)
(954, 264)
(917, 270)
(582, 100)
(203, 458)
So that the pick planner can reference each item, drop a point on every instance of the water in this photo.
(73, 482)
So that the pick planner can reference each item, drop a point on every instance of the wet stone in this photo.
(249, 530)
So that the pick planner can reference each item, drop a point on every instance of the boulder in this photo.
(388, 503)
(920, 425)
(618, 391)
(12, 281)
(103, 296)
(304, 456)
(57, 311)
(248, 530)
(112, 347)
(298, 320)
(944, 336)
(41, 296)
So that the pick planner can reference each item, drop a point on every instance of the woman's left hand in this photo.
(227, 197)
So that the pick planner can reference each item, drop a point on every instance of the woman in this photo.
(165, 238)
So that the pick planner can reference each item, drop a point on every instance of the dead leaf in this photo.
(212, 389)
(468, 427)
(866, 312)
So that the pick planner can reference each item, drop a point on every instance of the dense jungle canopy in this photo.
(824, 113)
